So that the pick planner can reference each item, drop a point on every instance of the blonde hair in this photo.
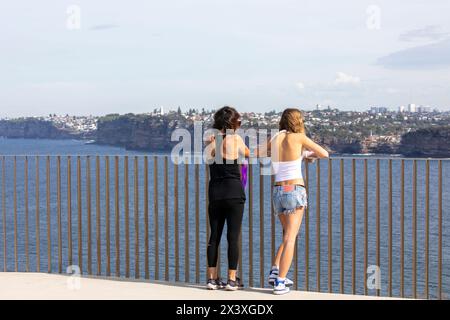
(292, 121)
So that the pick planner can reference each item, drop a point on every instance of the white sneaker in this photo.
(280, 287)
(274, 272)
(289, 283)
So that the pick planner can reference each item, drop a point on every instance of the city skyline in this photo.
(256, 56)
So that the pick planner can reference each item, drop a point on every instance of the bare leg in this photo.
(293, 223)
(276, 262)
(212, 273)
(232, 274)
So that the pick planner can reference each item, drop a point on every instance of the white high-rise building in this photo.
(412, 107)
(401, 109)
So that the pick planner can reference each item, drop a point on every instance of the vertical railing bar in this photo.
(366, 227)
(89, 214)
(206, 208)
(49, 239)
(272, 227)
(69, 209)
(156, 209)
(440, 229)
(306, 231)
(27, 239)
(250, 224)
(427, 227)
(261, 227)
(330, 226)
(378, 201)
(59, 217)
(414, 258)
(16, 264)
(146, 222)
(176, 222)
(318, 249)
(342, 224)
(38, 237)
(186, 221)
(98, 213)
(127, 216)
(4, 214)
(80, 212)
(390, 226)
(197, 225)
(107, 216)
(166, 218)
(353, 226)
(117, 213)
(136, 218)
(402, 230)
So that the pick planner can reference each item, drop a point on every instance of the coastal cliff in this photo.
(32, 128)
(429, 142)
(139, 132)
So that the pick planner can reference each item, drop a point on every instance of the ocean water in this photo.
(195, 230)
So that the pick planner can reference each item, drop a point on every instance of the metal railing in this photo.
(363, 220)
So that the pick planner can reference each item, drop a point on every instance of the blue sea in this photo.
(64, 148)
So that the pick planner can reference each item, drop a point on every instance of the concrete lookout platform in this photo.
(14, 286)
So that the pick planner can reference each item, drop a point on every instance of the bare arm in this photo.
(314, 147)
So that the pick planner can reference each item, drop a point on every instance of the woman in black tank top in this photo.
(226, 198)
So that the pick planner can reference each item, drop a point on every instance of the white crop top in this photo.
(289, 170)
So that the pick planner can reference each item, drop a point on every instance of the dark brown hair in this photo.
(226, 118)
(292, 121)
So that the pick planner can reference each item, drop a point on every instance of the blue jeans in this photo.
(287, 199)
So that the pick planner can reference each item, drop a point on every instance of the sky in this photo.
(97, 57)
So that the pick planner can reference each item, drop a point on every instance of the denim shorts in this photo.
(287, 199)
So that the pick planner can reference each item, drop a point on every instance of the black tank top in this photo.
(225, 181)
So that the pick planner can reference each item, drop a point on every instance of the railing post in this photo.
(98, 215)
(59, 217)
(38, 219)
(166, 217)
(197, 225)
(89, 215)
(156, 219)
(440, 229)
(414, 217)
(330, 226)
(378, 214)
(342, 224)
(117, 214)
(250, 224)
(127, 216)
(390, 227)
(306, 232)
(261, 227)
(353, 226)
(49, 239)
(5, 266)
(136, 219)
(427, 227)
(402, 230)
(69, 209)
(27, 239)
(318, 250)
(366, 228)
(186, 221)
(80, 212)
(16, 267)
(107, 216)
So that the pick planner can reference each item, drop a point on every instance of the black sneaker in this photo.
(214, 284)
(233, 285)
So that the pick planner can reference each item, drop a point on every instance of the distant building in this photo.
(376, 110)
(424, 109)
(412, 107)
(401, 109)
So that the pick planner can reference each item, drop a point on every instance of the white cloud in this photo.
(344, 79)
(300, 86)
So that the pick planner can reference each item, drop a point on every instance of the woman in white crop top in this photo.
(287, 150)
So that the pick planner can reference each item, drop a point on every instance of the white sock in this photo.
(275, 267)
(281, 279)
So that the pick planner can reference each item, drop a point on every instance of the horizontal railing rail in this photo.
(373, 226)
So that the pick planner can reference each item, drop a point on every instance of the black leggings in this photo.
(232, 211)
